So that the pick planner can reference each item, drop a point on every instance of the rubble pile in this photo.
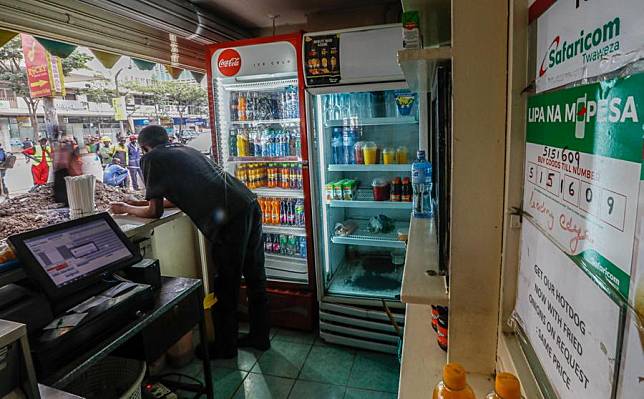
(37, 208)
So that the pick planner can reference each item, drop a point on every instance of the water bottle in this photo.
(349, 138)
(421, 180)
(336, 146)
(303, 247)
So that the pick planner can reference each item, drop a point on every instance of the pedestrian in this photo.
(115, 174)
(106, 151)
(41, 157)
(134, 162)
(66, 162)
(120, 151)
(228, 215)
(3, 172)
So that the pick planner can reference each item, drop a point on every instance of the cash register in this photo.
(73, 265)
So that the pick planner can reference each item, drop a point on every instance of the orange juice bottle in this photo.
(506, 386)
(454, 384)
(275, 211)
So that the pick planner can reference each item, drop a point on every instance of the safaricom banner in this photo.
(580, 39)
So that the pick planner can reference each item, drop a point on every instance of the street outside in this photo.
(19, 181)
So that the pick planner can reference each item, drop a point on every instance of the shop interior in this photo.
(321, 199)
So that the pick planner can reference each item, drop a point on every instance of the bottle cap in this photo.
(454, 376)
(507, 386)
(420, 154)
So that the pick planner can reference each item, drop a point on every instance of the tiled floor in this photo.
(301, 365)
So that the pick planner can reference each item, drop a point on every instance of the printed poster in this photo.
(584, 38)
(322, 59)
(583, 166)
(572, 325)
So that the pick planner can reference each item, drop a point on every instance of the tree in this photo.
(154, 91)
(98, 92)
(14, 74)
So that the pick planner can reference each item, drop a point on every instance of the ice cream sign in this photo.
(576, 41)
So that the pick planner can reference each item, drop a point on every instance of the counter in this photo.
(133, 226)
(422, 359)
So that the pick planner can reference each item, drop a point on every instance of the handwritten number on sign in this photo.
(571, 191)
(589, 195)
(611, 202)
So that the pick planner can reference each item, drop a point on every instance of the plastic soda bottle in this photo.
(276, 244)
(454, 384)
(506, 386)
(299, 212)
(421, 181)
(303, 247)
(275, 214)
(283, 244)
(291, 212)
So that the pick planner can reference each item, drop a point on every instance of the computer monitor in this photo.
(67, 257)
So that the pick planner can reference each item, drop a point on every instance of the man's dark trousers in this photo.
(238, 250)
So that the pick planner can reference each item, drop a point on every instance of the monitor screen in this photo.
(70, 254)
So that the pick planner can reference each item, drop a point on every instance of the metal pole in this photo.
(118, 94)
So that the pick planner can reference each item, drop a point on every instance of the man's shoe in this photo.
(214, 352)
(246, 341)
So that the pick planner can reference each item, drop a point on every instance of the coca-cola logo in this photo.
(229, 62)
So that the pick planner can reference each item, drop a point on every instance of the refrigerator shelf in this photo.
(367, 278)
(364, 199)
(264, 159)
(370, 168)
(363, 237)
(401, 120)
(285, 258)
(277, 229)
(295, 121)
(278, 192)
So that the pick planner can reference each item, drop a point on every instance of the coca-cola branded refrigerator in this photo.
(259, 135)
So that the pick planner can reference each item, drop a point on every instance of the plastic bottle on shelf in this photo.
(337, 149)
(234, 98)
(232, 143)
(241, 107)
(303, 247)
(299, 212)
(421, 180)
(276, 244)
(275, 211)
(300, 182)
(291, 212)
(348, 142)
(251, 143)
(406, 190)
(454, 384)
(506, 386)
(283, 244)
(257, 142)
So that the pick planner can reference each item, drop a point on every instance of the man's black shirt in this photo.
(195, 184)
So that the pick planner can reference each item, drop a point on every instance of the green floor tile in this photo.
(328, 364)
(262, 386)
(245, 360)
(316, 390)
(227, 381)
(284, 359)
(298, 337)
(354, 393)
(375, 371)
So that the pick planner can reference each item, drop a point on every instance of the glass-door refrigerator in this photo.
(364, 134)
(257, 100)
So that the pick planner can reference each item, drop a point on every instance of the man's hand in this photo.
(119, 208)
(136, 202)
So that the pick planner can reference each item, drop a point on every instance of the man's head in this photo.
(116, 161)
(133, 138)
(152, 136)
(122, 140)
(43, 141)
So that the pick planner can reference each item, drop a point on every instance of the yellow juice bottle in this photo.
(454, 384)
(506, 386)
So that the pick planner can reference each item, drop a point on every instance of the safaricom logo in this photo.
(588, 44)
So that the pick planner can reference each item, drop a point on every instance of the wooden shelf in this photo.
(418, 65)
(422, 255)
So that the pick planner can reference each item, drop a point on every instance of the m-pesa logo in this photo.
(229, 62)
(592, 45)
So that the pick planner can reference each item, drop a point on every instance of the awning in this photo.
(6, 36)
(198, 76)
(143, 65)
(173, 71)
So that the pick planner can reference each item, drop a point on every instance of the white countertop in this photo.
(132, 225)
(422, 255)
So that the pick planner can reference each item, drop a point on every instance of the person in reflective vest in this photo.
(41, 157)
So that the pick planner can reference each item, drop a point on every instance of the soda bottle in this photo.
(232, 143)
(241, 107)
(251, 143)
(286, 143)
(300, 181)
(276, 244)
(298, 143)
(299, 212)
(286, 175)
(506, 386)
(421, 181)
(454, 384)
(257, 143)
(275, 214)
(283, 212)
(348, 142)
(292, 245)
(291, 212)
(303, 247)
(268, 243)
(234, 98)
(283, 244)
(337, 150)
